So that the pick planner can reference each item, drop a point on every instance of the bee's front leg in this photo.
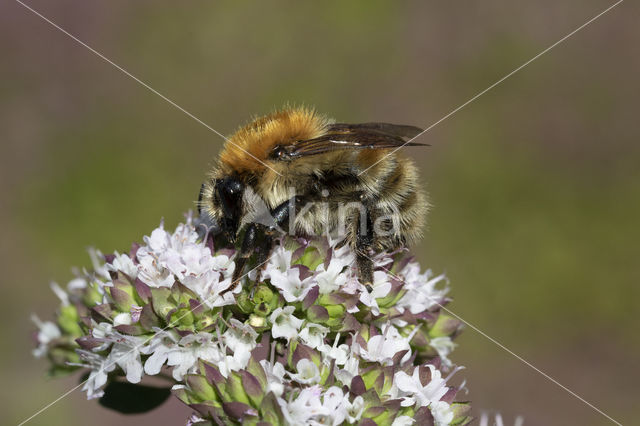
(259, 239)
(251, 236)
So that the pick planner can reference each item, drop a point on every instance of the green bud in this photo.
(445, 325)
(262, 309)
(257, 321)
(206, 321)
(68, 320)
(161, 303)
(183, 395)
(262, 294)
(183, 316)
(61, 356)
(244, 303)
(122, 293)
(92, 296)
(200, 388)
(461, 411)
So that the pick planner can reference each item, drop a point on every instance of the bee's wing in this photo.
(350, 136)
(388, 128)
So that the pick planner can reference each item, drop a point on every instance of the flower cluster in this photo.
(301, 341)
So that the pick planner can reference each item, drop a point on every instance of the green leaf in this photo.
(310, 258)
(129, 398)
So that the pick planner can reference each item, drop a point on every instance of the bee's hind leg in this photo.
(365, 270)
(363, 244)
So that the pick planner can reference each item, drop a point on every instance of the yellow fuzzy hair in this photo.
(249, 147)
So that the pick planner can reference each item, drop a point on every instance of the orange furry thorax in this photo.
(249, 148)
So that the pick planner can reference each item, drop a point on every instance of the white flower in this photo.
(354, 409)
(241, 339)
(180, 353)
(101, 330)
(275, 376)
(232, 363)
(304, 407)
(331, 278)
(382, 348)
(307, 372)
(293, 289)
(403, 421)
(48, 331)
(178, 257)
(443, 345)
(159, 347)
(150, 272)
(380, 288)
(313, 334)
(413, 391)
(135, 312)
(343, 254)
(196, 259)
(194, 419)
(184, 359)
(279, 262)
(99, 368)
(125, 352)
(123, 263)
(487, 419)
(122, 318)
(62, 295)
(422, 293)
(79, 283)
(208, 287)
(159, 240)
(333, 402)
(169, 257)
(349, 370)
(97, 262)
(313, 407)
(339, 353)
(284, 323)
(441, 412)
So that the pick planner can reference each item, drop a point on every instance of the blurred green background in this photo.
(535, 186)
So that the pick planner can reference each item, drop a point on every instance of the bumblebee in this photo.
(295, 171)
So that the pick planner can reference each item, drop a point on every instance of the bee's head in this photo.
(220, 206)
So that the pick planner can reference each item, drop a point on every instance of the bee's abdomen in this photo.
(390, 192)
(401, 206)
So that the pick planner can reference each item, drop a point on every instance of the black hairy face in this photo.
(229, 192)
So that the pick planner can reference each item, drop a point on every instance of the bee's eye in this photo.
(279, 152)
